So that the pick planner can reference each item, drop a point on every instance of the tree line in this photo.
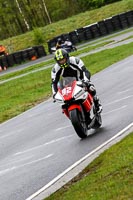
(20, 16)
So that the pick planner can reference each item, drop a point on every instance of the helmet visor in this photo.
(63, 62)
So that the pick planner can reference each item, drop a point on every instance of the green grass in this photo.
(105, 58)
(26, 70)
(64, 26)
(108, 177)
(21, 94)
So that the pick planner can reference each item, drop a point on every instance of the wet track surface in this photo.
(41, 143)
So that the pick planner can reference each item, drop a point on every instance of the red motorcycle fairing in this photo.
(71, 107)
(87, 104)
(67, 95)
(66, 92)
(77, 104)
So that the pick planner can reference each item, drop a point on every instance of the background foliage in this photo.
(19, 40)
(20, 16)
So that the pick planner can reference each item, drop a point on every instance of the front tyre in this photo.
(78, 123)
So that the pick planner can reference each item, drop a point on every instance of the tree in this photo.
(22, 14)
(46, 11)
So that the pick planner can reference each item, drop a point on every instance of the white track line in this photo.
(64, 127)
(78, 162)
(47, 143)
(105, 113)
(125, 91)
(23, 165)
(116, 101)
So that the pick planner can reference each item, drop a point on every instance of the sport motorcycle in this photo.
(68, 46)
(78, 105)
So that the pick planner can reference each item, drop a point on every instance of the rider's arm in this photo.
(86, 74)
(55, 76)
(79, 65)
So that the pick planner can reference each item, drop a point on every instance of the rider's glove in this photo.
(86, 83)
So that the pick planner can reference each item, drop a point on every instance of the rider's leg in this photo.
(96, 98)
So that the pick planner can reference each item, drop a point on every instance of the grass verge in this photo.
(108, 177)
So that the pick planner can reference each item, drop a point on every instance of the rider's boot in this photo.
(97, 104)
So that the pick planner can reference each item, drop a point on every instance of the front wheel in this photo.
(78, 123)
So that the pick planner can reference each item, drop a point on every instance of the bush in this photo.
(38, 36)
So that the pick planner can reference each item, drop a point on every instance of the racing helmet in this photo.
(62, 58)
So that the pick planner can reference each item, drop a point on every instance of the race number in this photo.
(66, 91)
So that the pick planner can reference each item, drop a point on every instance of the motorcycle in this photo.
(68, 46)
(78, 105)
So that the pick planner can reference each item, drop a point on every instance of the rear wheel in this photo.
(78, 123)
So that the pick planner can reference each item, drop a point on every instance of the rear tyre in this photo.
(78, 123)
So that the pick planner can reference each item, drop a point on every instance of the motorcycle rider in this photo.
(70, 66)
(70, 45)
(65, 44)
(59, 43)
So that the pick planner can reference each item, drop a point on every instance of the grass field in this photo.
(108, 177)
